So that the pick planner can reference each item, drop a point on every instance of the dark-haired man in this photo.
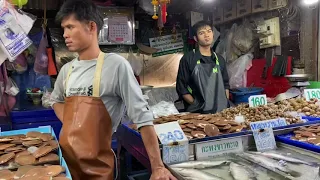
(89, 98)
(202, 80)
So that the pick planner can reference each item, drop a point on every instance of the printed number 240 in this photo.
(171, 136)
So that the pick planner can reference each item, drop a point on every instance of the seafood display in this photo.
(273, 165)
(309, 134)
(30, 156)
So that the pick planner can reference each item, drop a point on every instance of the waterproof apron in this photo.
(86, 133)
(209, 92)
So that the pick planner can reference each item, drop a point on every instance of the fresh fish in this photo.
(271, 164)
(194, 174)
(240, 172)
(199, 164)
(285, 158)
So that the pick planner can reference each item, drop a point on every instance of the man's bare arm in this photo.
(151, 144)
(58, 109)
(188, 98)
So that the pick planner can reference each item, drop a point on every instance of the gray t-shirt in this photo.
(118, 88)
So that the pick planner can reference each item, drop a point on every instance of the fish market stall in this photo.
(31, 154)
(230, 123)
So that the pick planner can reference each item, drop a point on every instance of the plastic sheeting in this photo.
(160, 71)
(238, 71)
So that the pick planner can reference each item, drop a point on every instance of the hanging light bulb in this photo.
(310, 2)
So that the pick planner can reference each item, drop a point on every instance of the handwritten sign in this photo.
(175, 143)
(268, 124)
(258, 100)
(264, 139)
(312, 94)
(219, 147)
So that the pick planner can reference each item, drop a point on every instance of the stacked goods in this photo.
(260, 113)
(33, 156)
(309, 134)
(300, 105)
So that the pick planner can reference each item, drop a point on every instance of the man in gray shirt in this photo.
(82, 21)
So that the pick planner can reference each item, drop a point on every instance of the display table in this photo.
(26, 115)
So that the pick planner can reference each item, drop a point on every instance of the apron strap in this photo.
(97, 76)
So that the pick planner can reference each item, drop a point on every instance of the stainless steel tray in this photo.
(297, 77)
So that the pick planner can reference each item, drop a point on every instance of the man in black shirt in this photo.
(202, 80)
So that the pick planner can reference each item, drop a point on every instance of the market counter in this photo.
(130, 141)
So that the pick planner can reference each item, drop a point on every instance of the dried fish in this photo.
(6, 157)
(42, 151)
(25, 160)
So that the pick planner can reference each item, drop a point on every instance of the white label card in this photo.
(264, 139)
(175, 143)
(258, 100)
(268, 124)
(219, 147)
(312, 94)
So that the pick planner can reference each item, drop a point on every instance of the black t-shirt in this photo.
(187, 64)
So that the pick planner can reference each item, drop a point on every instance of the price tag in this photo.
(258, 100)
(175, 143)
(264, 139)
(312, 94)
(268, 124)
(219, 147)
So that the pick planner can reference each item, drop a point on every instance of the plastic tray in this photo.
(286, 139)
(44, 129)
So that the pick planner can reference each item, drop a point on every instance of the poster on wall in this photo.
(168, 44)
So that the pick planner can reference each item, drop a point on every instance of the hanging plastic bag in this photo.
(46, 101)
(136, 64)
(12, 88)
(231, 55)
(20, 64)
(243, 37)
(41, 61)
(6, 101)
(238, 71)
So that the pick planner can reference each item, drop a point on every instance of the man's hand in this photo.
(227, 93)
(58, 109)
(150, 141)
(188, 98)
(162, 174)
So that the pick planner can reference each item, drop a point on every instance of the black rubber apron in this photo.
(209, 93)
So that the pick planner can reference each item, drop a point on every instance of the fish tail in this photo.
(314, 164)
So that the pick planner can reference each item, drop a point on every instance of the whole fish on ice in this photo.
(285, 158)
(194, 174)
(199, 164)
(240, 172)
(271, 164)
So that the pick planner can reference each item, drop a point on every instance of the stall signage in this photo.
(219, 147)
(268, 124)
(264, 139)
(168, 44)
(175, 145)
(258, 100)
(312, 94)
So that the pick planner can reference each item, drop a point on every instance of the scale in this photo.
(298, 82)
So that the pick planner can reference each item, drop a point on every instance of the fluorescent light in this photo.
(310, 2)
